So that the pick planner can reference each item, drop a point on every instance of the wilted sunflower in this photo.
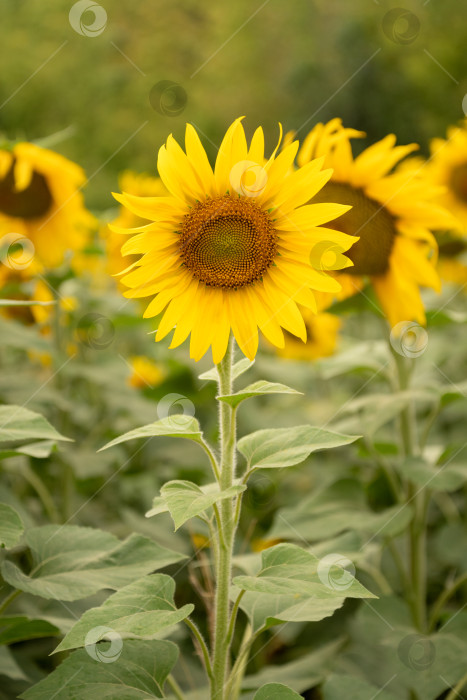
(42, 214)
(393, 213)
(448, 167)
(231, 249)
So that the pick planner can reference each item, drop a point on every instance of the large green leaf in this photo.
(72, 562)
(284, 447)
(40, 450)
(186, 500)
(142, 609)
(182, 426)
(138, 672)
(437, 478)
(276, 691)
(339, 686)
(18, 628)
(259, 388)
(335, 509)
(237, 370)
(294, 585)
(11, 526)
(18, 423)
(9, 666)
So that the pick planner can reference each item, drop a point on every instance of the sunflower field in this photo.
(233, 350)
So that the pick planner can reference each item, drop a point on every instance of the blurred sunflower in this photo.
(140, 185)
(145, 373)
(448, 167)
(42, 213)
(231, 249)
(393, 213)
(322, 336)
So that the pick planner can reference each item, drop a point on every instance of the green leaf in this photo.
(284, 447)
(438, 478)
(11, 526)
(186, 500)
(139, 672)
(9, 666)
(18, 628)
(336, 509)
(294, 585)
(339, 686)
(276, 691)
(371, 355)
(182, 426)
(18, 423)
(259, 388)
(143, 610)
(237, 370)
(17, 335)
(72, 562)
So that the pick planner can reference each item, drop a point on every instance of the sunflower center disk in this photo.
(459, 182)
(367, 219)
(31, 203)
(228, 242)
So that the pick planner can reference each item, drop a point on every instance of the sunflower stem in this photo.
(419, 498)
(226, 531)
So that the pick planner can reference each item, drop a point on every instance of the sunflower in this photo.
(322, 337)
(145, 373)
(235, 248)
(393, 213)
(448, 167)
(42, 214)
(141, 185)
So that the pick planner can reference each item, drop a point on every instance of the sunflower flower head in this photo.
(42, 212)
(394, 211)
(234, 248)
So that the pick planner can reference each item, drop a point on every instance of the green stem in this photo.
(202, 644)
(240, 663)
(221, 652)
(42, 491)
(177, 691)
(8, 600)
(443, 598)
(455, 692)
(420, 498)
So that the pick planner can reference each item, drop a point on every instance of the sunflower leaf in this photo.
(186, 500)
(285, 447)
(140, 673)
(72, 562)
(11, 526)
(182, 426)
(259, 388)
(237, 370)
(21, 424)
(276, 691)
(140, 610)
